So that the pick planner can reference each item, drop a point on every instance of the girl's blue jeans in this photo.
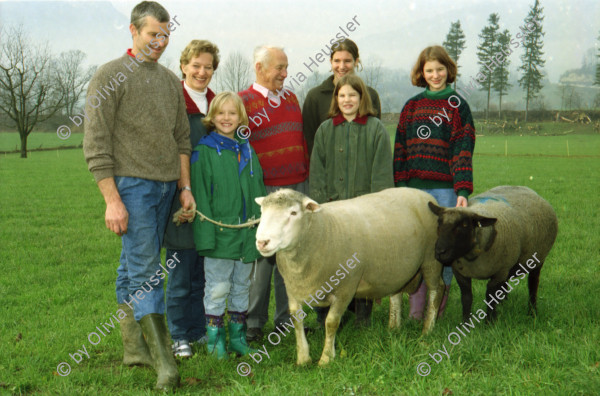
(227, 285)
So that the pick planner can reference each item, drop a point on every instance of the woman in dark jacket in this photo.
(185, 287)
(344, 60)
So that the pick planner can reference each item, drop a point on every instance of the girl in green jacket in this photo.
(226, 177)
(352, 156)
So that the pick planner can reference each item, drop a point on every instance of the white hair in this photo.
(262, 54)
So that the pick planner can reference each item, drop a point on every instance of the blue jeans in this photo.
(446, 197)
(227, 284)
(185, 294)
(148, 203)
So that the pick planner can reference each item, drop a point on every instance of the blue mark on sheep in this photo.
(485, 199)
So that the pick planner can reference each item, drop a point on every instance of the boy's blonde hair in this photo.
(218, 102)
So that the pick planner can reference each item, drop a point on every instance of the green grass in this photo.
(10, 141)
(59, 265)
(532, 145)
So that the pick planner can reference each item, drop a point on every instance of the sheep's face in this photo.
(281, 223)
(456, 231)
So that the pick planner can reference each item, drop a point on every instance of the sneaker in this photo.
(182, 349)
(254, 334)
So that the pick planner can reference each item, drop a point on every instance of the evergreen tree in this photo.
(532, 61)
(486, 50)
(500, 82)
(455, 43)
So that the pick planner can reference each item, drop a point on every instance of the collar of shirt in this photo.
(264, 92)
(339, 119)
(130, 53)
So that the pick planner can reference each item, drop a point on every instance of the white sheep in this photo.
(389, 236)
(501, 231)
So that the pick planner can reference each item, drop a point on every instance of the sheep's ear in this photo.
(482, 221)
(435, 209)
(310, 205)
(259, 200)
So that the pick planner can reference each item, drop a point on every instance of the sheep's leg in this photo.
(332, 322)
(533, 282)
(466, 294)
(395, 310)
(490, 297)
(301, 343)
(434, 299)
(432, 273)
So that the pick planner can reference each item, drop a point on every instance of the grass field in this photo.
(10, 141)
(59, 264)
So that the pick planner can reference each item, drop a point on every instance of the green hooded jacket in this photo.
(226, 177)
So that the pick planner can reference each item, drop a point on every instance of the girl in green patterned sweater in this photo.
(434, 144)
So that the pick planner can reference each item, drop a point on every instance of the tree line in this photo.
(495, 47)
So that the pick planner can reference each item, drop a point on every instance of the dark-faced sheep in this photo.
(503, 234)
(372, 246)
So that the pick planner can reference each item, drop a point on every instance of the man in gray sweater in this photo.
(137, 147)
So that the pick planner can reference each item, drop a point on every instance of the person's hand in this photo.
(461, 201)
(116, 217)
(184, 217)
(188, 204)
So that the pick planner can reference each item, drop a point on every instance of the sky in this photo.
(392, 32)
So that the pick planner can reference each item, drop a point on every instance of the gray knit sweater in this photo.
(136, 122)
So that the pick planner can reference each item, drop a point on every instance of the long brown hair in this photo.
(351, 47)
(433, 53)
(365, 107)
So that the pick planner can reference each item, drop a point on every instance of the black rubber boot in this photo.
(159, 343)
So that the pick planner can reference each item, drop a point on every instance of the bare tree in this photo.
(29, 93)
(372, 71)
(312, 81)
(72, 77)
(234, 74)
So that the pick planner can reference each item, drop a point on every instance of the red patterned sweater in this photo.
(434, 143)
(277, 138)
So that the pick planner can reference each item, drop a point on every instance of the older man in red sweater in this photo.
(277, 138)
